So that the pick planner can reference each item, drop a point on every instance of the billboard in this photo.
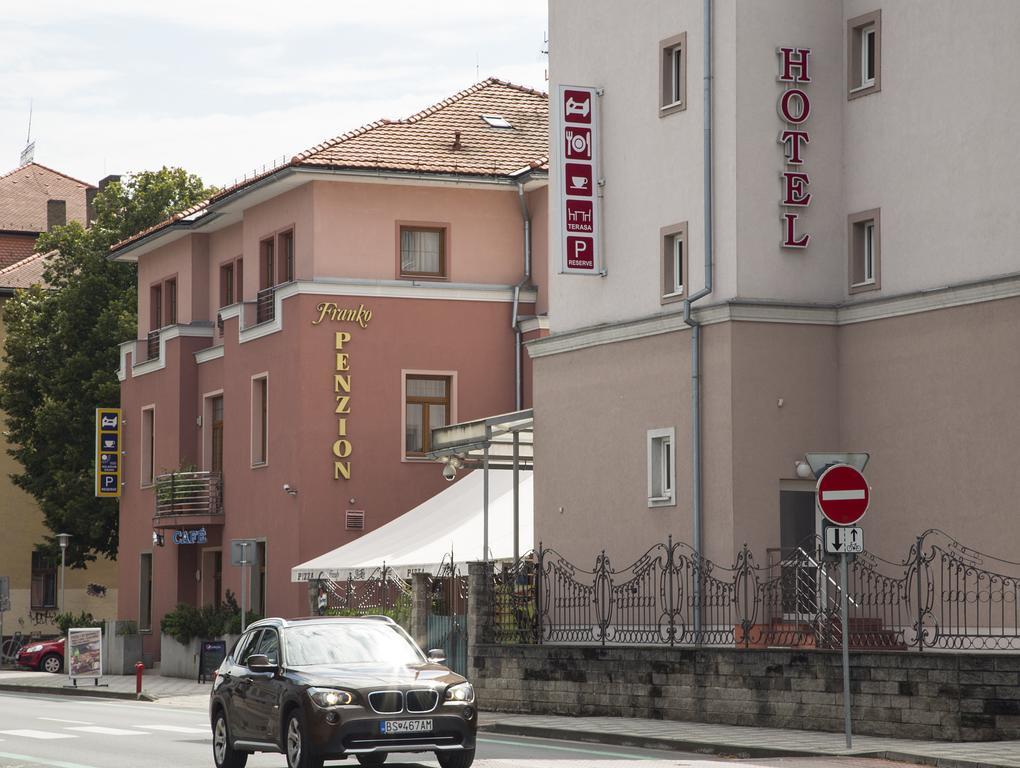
(108, 452)
(577, 164)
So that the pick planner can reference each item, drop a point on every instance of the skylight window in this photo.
(497, 121)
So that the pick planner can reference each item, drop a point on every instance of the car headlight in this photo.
(330, 697)
(33, 649)
(462, 693)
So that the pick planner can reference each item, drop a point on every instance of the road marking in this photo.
(176, 728)
(621, 755)
(39, 761)
(842, 495)
(62, 720)
(28, 733)
(103, 730)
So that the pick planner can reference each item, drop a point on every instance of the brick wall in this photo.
(960, 697)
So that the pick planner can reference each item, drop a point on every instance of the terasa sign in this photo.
(577, 137)
(794, 108)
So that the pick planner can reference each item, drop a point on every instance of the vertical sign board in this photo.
(84, 653)
(108, 446)
(577, 157)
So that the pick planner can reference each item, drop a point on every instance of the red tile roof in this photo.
(25, 190)
(15, 246)
(428, 142)
(25, 273)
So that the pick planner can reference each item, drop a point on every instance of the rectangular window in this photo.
(674, 262)
(156, 307)
(661, 467)
(216, 463)
(267, 270)
(145, 592)
(864, 54)
(170, 291)
(259, 421)
(865, 250)
(44, 582)
(239, 275)
(673, 74)
(422, 251)
(227, 284)
(426, 407)
(285, 248)
(148, 443)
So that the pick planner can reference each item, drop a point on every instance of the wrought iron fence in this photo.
(378, 592)
(942, 595)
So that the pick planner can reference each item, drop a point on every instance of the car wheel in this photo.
(377, 758)
(224, 755)
(296, 746)
(462, 759)
(52, 663)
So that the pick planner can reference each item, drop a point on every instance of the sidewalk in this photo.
(737, 741)
(742, 741)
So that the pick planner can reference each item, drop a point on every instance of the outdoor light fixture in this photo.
(63, 539)
(803, 470)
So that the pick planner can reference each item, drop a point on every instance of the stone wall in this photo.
(959, 697)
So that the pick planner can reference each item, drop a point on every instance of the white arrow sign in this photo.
(839, 539)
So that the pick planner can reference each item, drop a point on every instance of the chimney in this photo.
(456, 142)
(56, 214)
(90, 197)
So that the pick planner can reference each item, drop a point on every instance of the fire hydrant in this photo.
(139, 669)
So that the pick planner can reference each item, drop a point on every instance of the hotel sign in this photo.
(341, 446)
(108, 442)
(579, 174)
(794, 108)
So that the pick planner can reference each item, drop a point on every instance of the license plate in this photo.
(405, 726)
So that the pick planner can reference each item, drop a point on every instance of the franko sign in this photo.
(794, 108)
(342, 448)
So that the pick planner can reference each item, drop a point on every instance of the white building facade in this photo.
(865, 277)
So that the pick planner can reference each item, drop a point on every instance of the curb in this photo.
(94, 692)
(716, 748)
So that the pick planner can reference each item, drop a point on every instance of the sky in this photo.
(222, 87)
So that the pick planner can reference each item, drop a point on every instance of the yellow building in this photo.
(33, 199)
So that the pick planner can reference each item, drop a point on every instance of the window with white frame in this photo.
(865, 250)
(661, 467)
(864, 54)
(673, 74)
(674, 262)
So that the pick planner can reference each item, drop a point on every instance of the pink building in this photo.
(302, 332)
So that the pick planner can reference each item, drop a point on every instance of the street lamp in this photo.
(62, 538)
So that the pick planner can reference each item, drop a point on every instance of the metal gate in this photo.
(447, 614)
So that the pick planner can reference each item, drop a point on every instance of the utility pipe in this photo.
(526, 217)
(694, 324)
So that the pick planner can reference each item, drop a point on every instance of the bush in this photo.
(83, 620)
(186, 622)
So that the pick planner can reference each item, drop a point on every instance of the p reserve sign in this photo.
(577, 136)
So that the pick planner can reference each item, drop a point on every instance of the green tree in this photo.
(61, 355)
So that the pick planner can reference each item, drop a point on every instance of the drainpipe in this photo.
(526, 217)
(694, 324)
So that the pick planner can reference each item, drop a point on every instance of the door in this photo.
(236, 682)
(265, 692)
(799, 568)
(447, 618)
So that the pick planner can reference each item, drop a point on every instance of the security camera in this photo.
(288, 488)
(450, 473)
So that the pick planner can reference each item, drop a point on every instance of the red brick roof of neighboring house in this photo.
(15, 246)
(25, 273)
(428, 142)
(25, 191)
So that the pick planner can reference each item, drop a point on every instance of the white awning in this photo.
(450, 523)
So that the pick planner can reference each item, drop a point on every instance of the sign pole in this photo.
(244, 561)
(846, 651)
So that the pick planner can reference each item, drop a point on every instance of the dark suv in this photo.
(328, 688)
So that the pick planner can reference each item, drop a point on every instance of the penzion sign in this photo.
(794, 108)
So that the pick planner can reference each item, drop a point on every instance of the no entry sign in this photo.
(843, 494)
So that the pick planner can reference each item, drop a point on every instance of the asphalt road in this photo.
(40, 731)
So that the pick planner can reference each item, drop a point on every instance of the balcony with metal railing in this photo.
(152, 345)
(189, 499)
(265, 305)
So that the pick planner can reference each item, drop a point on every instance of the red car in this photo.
(47, 655)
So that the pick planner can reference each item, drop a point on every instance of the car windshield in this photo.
(349, 643)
